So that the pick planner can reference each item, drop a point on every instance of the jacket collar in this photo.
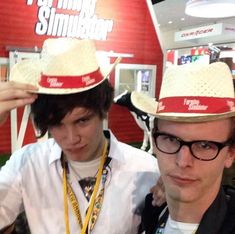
(214, 216)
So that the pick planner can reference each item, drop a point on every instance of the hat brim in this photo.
(149, 105)
(29, 71)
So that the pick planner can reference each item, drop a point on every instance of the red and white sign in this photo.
(194, 33)
(205, 31)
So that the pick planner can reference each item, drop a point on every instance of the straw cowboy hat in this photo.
(66, 66)
(192, 93)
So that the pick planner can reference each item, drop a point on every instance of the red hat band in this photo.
(194, 104)
(70, 82)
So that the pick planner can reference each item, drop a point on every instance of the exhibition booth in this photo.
(119, 28)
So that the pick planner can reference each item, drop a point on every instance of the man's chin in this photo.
(185, 195)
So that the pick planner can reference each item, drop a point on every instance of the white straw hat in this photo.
(192, 93)
(66, 66)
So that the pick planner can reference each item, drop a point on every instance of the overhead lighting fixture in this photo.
(210, 8)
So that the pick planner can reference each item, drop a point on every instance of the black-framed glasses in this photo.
(200, 149)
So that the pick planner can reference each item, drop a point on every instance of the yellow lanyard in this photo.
(68, 191)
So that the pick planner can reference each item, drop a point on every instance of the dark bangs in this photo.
(48, 110)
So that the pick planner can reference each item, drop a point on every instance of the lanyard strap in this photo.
(92, 201)
(75, 205)
(66, 217)
(96, 210)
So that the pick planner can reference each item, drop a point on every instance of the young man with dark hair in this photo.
(82, 179)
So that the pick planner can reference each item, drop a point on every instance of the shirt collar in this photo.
(55, 151)
(115, 151)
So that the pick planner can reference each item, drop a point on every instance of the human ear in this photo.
(230, 157)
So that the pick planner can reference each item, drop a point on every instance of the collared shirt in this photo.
(32, 181)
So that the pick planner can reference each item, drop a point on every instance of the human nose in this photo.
(184, 157)
(73, 135)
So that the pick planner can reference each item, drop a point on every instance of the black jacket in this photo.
(218, 219)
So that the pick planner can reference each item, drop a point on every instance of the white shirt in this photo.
(174, 227)
(32, 180)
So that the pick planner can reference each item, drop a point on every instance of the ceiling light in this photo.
(210, 8)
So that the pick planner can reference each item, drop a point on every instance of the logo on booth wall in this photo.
(79, 21)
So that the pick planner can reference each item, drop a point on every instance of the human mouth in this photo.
(182, 180)
(75, 149)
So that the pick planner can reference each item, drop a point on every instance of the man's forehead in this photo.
(81, 111)
(222, 123)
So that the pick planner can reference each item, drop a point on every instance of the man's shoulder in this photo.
(38, 151)
(230, 197)
(151, 214)
(134, 148)
(138, 153)
(228, 224)
(38, 147)
(128, 147)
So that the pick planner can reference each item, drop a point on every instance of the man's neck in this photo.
(189, 212)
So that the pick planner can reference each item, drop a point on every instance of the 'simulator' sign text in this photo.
(79, 21)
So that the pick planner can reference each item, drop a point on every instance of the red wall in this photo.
(133, 33)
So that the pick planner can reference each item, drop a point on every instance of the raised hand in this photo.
(13, 95)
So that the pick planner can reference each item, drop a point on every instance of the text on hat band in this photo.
(70, 82)
(196, 104)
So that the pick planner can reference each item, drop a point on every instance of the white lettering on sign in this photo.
(29, 2)
(41, 2)
(85, 25)
(85, 7)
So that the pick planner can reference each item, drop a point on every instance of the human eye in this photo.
(82, 120)
(169, 138)
(57, 124)
(206, 145)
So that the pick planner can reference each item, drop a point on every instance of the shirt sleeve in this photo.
(10, 190)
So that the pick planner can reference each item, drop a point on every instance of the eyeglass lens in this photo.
(202, 150)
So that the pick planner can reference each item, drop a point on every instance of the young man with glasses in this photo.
(194, 141)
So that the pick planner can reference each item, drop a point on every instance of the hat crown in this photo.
(214, 80)
(68, 56)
